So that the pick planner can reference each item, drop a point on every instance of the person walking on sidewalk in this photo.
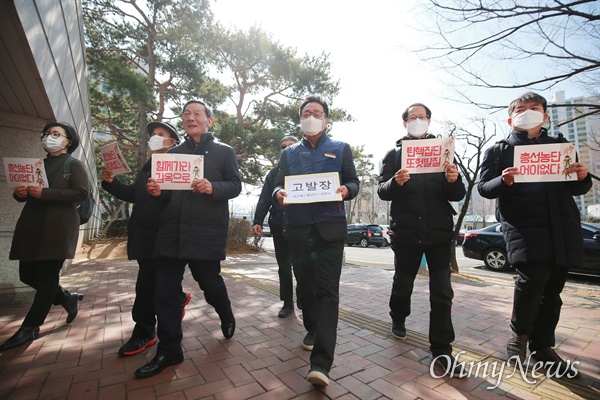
(47, 231)
(541, 227)
(421, 219)
(141, 238)
(317, 231)
(192, 231)
(265, 205)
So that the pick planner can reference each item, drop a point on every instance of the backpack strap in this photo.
(499, 148)
(397, 158)
(67, 168)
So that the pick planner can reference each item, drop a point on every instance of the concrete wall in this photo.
(49, 82)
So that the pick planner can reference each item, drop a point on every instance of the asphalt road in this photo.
(383, 257)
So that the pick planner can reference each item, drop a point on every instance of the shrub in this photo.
(118, 227)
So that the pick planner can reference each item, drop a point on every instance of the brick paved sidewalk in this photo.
(264, 360)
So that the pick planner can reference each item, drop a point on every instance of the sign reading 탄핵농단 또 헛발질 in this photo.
(113, 159)
(545, 162)
(427, 155)
(177, 171)
(312, 188)
(25, 172)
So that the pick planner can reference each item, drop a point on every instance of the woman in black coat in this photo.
(47, 231)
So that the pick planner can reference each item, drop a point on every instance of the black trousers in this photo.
(407, 259)
(43, 276)
(537, 302)
(143, 311)
(318, 265)
(284, 261)
(169, 274)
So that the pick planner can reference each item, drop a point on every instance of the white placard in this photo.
(545, 162)
(25, 171)
(113, 159)
(427, 155)
(177, 171)
(312, 188)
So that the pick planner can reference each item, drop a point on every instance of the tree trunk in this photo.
(142, 155)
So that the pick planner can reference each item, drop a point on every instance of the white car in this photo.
(386, 234)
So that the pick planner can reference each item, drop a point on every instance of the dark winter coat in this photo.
(143, 223)
(194, 225)
(48, 227)
(420, 213)
(540, 220)
(266, 204)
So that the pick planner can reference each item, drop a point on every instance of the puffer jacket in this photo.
(540, 220)
(193, 226)
(143, 223)
(48, 227)
(420, 213)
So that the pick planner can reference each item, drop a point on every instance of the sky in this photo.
(367, 44)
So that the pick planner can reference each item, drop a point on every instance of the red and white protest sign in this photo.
(113, 159)
(25, 171)
(545, 162)
(177, 171)
(427, 155)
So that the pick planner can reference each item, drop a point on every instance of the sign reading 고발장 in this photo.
(312, 188)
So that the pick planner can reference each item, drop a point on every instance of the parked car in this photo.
(387, 233)
(365, 235)
(461, 237)
(488, 244)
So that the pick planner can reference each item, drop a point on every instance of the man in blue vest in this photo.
(317, 232)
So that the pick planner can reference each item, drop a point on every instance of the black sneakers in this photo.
(398, 329)
(136, 345)
(448, 363)
(309, 340)
(286, 310)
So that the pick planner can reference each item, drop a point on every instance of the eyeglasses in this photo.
(283, 147)
(414, 117)
(54, 134)
(316, 114)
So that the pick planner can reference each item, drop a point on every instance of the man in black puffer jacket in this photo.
(193, 231)
(541, 227)
(422, 222)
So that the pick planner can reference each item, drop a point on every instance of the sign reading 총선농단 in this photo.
(545, 162)
(25, 172)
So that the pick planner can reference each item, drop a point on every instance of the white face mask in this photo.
(52, 145)
(156, 142)
(311, 126)
(418, 127)
(528, 119)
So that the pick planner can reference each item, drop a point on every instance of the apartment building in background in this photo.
(583, 132)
